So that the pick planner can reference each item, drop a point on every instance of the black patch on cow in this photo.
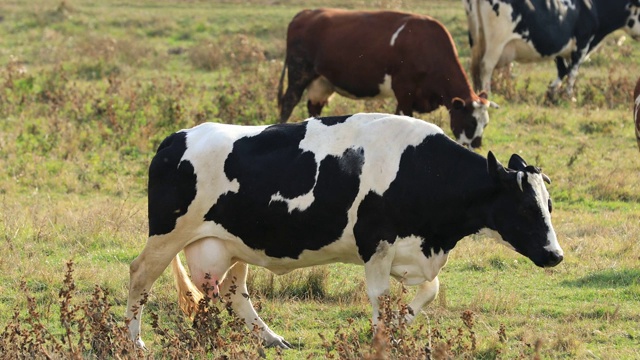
(172, 185)
(631, 23)
(496, 8)
(333, 120)
(428, 198)
(271, 163)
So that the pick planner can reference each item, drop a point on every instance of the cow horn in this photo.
(519, 179)
(546, 178)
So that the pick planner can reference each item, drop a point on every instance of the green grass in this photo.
(88, 90)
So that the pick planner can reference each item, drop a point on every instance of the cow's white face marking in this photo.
(542, 197)
(632, 26)
(395, 35)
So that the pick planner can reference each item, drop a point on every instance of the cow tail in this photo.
(280, 84)
(188, 294)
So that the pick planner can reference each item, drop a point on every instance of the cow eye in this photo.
(550, 206)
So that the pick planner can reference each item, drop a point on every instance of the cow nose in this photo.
(554, 259)
(476, 143)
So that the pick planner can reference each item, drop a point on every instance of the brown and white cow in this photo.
(369, 54)
(636, 112)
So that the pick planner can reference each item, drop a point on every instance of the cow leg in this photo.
(318, 93)
(403, 96)
(300, 75)
(143, 272)
(490, 60)
(211, 264)
(241, 305)
(377, 273)
(427, 291)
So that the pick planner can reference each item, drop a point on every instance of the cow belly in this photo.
(321, 89)
(411, 265)
(524, 51)
(343, 250)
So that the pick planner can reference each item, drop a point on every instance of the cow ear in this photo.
(517, 163)
(494, 167)
(483, 94)
(457, 103)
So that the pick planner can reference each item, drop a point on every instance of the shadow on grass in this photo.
(607, 279)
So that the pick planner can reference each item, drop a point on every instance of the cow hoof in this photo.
(280, 343)
(140, 344)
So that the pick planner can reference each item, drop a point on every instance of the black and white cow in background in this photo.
(389, 192)
(502, 31)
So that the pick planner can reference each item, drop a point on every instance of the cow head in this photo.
(632, 26)
(522, 212)
(469, 118)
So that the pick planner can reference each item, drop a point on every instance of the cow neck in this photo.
(474, 203)
(454, 192)
(457, 86)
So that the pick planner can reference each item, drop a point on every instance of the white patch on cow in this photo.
(542, 197)
(395, 34)
(411, 265)
(384, 90)
(208, 146)
(381, 160)
(301, 202)
(320, 90)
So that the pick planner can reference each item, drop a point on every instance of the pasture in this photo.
(90, 88)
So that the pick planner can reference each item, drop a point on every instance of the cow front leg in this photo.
(427, 291)
(235, 288)
(405, 102)
(377, 273)
(143, 272)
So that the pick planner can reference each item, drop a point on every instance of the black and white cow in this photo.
(502, 31)
(389, 192)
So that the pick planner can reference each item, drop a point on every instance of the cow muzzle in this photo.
(552, 259)
(476, 142)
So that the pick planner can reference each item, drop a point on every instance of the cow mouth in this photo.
(551, 260)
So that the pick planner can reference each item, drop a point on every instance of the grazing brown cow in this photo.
(368, 54)
(636, 110)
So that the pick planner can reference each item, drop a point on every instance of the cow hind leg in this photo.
(212, 268)
(427, 291)
(300, 74)
(235, 288)
(143, 272)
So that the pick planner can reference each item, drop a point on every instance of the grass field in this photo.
(89, 88)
